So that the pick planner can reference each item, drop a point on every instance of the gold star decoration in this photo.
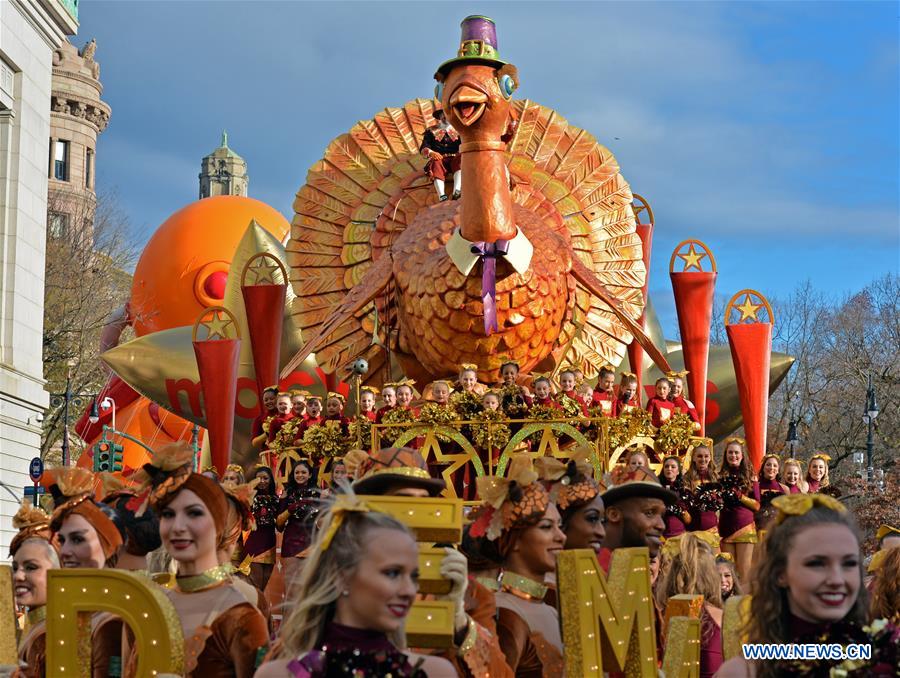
(265, 271)
(692, 258)
(216, 325)
(748, 309)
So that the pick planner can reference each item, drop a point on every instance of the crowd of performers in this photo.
(350, 572)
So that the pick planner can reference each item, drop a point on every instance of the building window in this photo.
(61, 160)
(89, 168)
(57, 224)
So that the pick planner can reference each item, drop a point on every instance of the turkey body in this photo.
(441, 311)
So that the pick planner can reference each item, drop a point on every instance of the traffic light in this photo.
(116, 457)
(102, 456)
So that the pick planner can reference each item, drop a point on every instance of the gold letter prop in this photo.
(74, 595)
(9, 654)
(734, 622)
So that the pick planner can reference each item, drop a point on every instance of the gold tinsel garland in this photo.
(325, 440)
(499, 431)
(437, 415)
(674, 436)
(467, 404)
(625, 427)
(398, 415)
(361, 430)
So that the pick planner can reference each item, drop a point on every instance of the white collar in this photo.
(518, 254)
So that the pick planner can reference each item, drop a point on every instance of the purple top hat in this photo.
(478, 44)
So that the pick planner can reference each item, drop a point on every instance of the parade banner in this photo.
(693, 302)
(73, 598)
(645, 233)
(750, 339)
(264, 301)
(217, 365)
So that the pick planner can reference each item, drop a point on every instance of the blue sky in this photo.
(767, 130)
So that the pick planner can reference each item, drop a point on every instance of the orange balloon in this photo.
(184, 266)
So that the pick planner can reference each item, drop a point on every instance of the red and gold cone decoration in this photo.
(750, 339)
(218, 355)
(693, 291)
(264, 308)
(644, 227)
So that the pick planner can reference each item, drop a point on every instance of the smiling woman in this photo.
(223, 632)
(350, 604)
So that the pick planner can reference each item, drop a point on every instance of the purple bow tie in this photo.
(489, 252)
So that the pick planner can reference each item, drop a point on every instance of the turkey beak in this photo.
(468, 103)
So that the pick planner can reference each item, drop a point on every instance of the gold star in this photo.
(216, 325)
(748, 309)
(692, 258)
(265, 272)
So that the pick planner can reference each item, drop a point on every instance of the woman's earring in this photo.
(345, 592)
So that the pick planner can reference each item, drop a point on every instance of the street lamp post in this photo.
(871, 412)
(792, 438)
(63, 400)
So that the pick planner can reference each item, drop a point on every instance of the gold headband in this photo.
(237, 468)
(800, 504)
(371, 389)
(734, 439)
(344, 504)
(336, 396)
(821, 455)
(468, 366)
(389, 384)
(725, 557)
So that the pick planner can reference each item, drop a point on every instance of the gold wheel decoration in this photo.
(264, 271)
(748, 311)
(370, 187)
(218, 322)
(692, 257)
(640, 207)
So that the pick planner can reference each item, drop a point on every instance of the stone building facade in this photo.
(223, 172)
(30, 32)
(77, 117)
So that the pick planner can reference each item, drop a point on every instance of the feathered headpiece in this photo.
(31, 522)
(168, 472)
(241, 497)
(571, 483)
(72, 490)
(517, 500)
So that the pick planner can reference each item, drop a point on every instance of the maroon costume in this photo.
(660, 410)
(445, 142)
(606, 401)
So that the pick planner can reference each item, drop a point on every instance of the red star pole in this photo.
(645, 233)
(750, 339)
(693, 302)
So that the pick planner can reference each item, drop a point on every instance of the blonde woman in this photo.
(351, 601)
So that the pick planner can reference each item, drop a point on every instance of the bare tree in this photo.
(89, 256)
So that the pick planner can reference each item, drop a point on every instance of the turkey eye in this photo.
(507, 86)
(439, 91)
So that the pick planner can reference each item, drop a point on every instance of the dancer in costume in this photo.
(234, 475)
(298, 403)
(441, 146)
(808, 589)
(629, 398)
(351, 601)
(297, 511)
(401, 472)
(260, 545)
(793, 476)
(515, 399)
(542, 394)
(520, 517)
(223, 632)
(567, 390)
(678, 514)
(577, 496)
(367, 403)
(89, 535)
(388, 399)
(817, 472)
(33, 554)
(638, 459)
(405, 396)
(257, 433)
(284, 415)
(692, 570)
(730, 582)
(604, 394)
(706, 492)
(740, 494)
(490, 401)
(141, 531)
(682, 404)
(770, 486)
(467, 381)
(659, 406)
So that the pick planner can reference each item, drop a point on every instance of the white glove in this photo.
(455, 568)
